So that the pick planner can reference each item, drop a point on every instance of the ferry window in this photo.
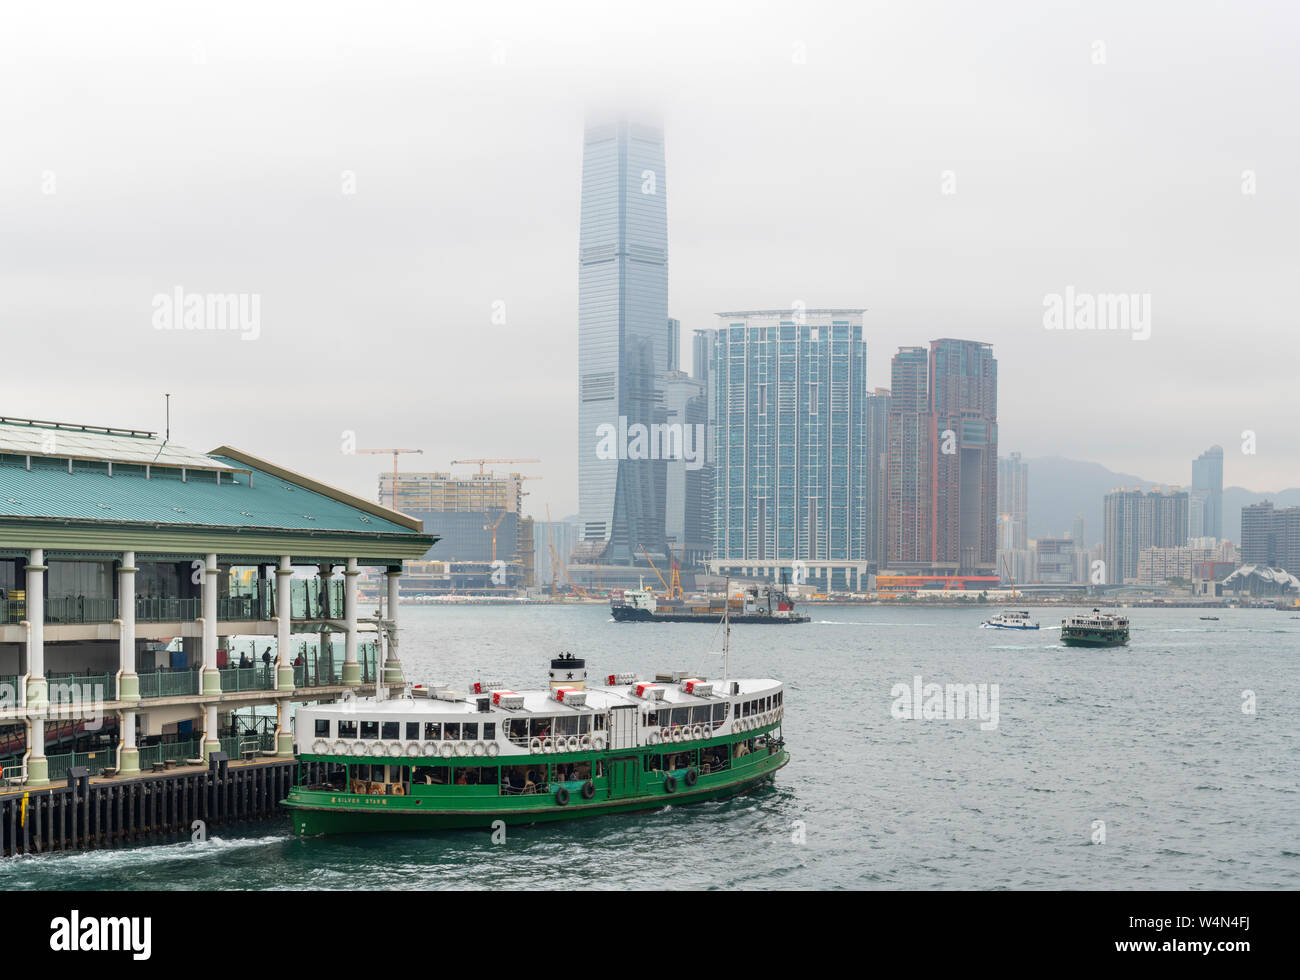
(412, 731)
(431, 775)
(713, 760)
(652, 762)
(778, 698)
(322, 728)
(719, 713)
(600, 723)
(700, 714)
(573, 772)
(489, 730)
(584, 724)
(370, 729)
(397, 774)
(347, 729)
(522, 780)
(651, 720)
(451, 730)
(469, 731)
(681, 716)
(432, 729)
(518, 728)
(600, 768)
(566, 725)
(541, 727)
(391, 729)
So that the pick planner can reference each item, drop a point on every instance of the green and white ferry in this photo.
(441, 758)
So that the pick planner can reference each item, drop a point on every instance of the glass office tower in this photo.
(622, 340)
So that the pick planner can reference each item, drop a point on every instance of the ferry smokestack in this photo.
(568, 671)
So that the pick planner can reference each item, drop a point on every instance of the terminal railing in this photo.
(177, 751)
(12, 611)
(160, 609)
(258, 678)
(169, 683)
(80, 609)
(81, 688)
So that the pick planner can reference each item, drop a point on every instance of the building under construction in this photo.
(485, 543)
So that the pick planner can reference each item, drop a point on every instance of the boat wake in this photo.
(90, 862)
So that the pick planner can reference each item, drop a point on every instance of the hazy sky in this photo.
(386, 177)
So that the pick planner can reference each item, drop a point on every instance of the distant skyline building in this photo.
(674, 342)
(1055, 561)
(688, 507)
(1137, 519)
(1207, 475)
(1270, 537)
(623, 348)
(701, 351)
(942, 515)
(1013, 503)
(789, 402)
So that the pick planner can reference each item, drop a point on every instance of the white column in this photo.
(284, 623)
(210, 741)
(38, 767)
(351, 669)
(211, 679)
(37, 689)
(393, 665)
(129, 759)
(128, 686)
(283, 731)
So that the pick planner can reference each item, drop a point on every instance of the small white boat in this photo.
(1012, 619)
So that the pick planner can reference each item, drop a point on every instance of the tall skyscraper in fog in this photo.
(623, 346)
(1013, 503)
(1207, 475)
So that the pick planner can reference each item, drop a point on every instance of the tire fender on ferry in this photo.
(562, 796)
(670, 783)
(692, 776)
(588, 790)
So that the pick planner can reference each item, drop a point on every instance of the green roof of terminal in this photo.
(100, 478)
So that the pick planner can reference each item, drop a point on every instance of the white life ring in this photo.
(376, 748)
(698, 731)
(462, 749)
(535, 745)
(340, 748)
(493, 750)
(395, 749)
(598, 743)
(430, 749)
(320, 746)
(413, 749)
(575, 743)
(666, 734)
(585, 743)
(478, 748)
(677, 734)
(740, 724)
(446, 750)
(548, 745)
(358, 748)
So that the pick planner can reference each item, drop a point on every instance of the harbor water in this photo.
(1169, 763)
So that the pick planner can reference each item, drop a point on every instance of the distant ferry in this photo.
(758, 604)
(441, 759)
(1095, 629)
(1012, 619)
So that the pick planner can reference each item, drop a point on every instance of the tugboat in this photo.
(441, 759)
(758, 604)
(1011, 619)
(1095, 629)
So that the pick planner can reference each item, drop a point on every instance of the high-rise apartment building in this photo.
(1013, 503)
(789, 400)
(623, 348)
(688, 503)
(1271, 537)
(1137, 519)
(876, 476)
(942, 513)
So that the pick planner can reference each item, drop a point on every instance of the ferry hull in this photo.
(320, 813)
(628, 614)
(1095, 639)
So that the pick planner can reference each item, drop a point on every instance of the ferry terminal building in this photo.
(129, 565)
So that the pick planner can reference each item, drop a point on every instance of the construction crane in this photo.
(493, 528)
(652, 565)
(396, 453)
(675, 580)
(482, 462)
